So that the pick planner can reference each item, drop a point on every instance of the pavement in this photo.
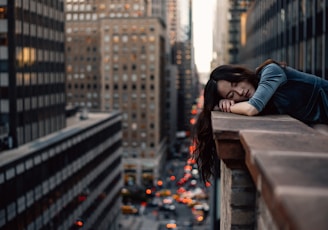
(130, 222)
(139, 222)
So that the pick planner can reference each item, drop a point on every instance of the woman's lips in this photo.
(247, 94)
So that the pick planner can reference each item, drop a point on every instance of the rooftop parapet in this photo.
(274, 172)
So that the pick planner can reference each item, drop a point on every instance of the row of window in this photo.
(42, 78)
(52, 8)
(116, 105)
(115, 87)
(106, 68)
(136, 143)
(95, 16)
(84, 173)
(35, 31)
(107, 96)
(33, 102)
(82, 6)
(106, 59)
(116, 78)
(90, 28)
(27, 132)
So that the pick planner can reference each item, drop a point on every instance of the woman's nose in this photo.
(239, 91)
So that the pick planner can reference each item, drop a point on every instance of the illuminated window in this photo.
(143, 38)
(102, 6)
(116, 38)
(151, 38)
(134, 38)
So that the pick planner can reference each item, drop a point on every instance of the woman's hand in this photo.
(225, 104)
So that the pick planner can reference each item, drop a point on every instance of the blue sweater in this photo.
(298, 94)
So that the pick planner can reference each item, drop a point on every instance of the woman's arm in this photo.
(244, 108)
(272, 76)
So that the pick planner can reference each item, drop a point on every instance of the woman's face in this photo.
(236, 91)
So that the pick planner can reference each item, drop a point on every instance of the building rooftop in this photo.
(74, 125)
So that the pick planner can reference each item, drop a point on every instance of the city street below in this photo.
(179, 201)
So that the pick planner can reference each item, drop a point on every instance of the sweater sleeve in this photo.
(272, 76)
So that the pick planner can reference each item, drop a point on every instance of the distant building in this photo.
(67, 178)
(134, 82)
(289, 31)
(182, 55)
(32, 74)
(221, 34)
(237, 20)
(117, 61)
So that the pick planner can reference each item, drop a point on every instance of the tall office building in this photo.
(291, 31)
(32, 85)
(57, 176)
(157, 8)
(220, 33)
(116, 60)
(172, 20)
(182, 53)
(237, 22)
(65, 180)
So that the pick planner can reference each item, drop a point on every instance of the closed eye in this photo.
(230, 95)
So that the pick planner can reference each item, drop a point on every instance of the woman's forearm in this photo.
(244, 108)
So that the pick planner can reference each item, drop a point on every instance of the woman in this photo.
(272, 88)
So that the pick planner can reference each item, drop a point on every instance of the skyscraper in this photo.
(116, 60)
(59, 176)
(32, 85)
(237, 20)
(182, 52)
(221, 34)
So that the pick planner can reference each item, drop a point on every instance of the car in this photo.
(198, 214)
(167, 207)
(171, 225)
(129, 209)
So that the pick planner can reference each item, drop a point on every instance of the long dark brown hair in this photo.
(205, 151)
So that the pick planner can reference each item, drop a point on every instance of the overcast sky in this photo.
(202, 25)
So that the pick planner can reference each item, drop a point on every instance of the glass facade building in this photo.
(69, 176)
(179, 21)
(293, 31)
(32, 85)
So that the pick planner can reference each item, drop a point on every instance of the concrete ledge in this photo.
(226, 127)
(288, 164)
(290, 170)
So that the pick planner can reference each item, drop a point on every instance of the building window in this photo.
(116, 38)
(152, 38)
(106, 38)
(125, 38)
(134, 38)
